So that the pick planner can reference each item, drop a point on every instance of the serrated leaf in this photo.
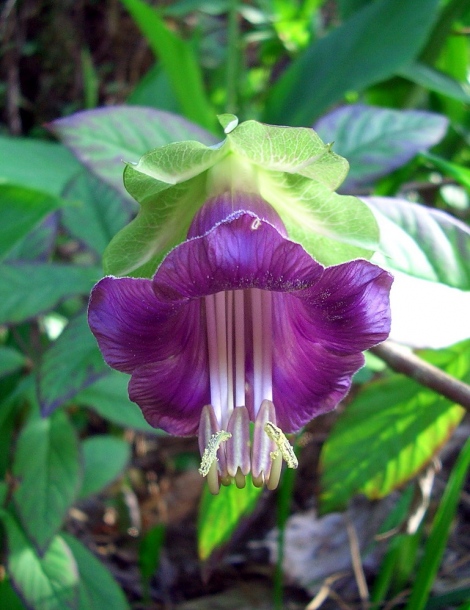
(48, 469)
(97, 587)
(48, 582)
(29, 289)
(220, 515)
(45, 166)
(109, 398)
(98, 211)
(11, 360)
(104, 459)
(377, 141)
(21, 210)
(367, 48)
(422, 242)
(105, 138)
(389, 432)
(72, 363)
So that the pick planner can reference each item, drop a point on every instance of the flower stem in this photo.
(407, 363)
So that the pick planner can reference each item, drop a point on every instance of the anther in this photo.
(286, 449)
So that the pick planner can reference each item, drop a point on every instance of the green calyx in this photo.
(290, 167)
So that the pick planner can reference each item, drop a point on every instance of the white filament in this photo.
(225, 318)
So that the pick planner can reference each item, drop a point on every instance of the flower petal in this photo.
(165, 347)
(126, 319)
(226, 204)
(240, 252)
(350, 306)
(319, 335)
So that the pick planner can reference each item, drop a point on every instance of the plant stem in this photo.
(407, 363)
(233, 59)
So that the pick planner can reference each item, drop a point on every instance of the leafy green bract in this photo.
(291, 168)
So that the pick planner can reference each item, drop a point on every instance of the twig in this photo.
(357, 563)
(407, 363)
(325, 590)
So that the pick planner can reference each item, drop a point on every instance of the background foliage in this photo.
(88, 85)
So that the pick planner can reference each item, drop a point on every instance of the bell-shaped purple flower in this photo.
(240, 324)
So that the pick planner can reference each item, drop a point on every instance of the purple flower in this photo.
(239, 323)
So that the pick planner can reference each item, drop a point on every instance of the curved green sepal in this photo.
(291, 168)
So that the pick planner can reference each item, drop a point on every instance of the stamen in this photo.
(267, 342)
(209, 456)
(257, 315)
(229, 319)
(263, 445)
(221, 322)
(239, 348)
(276, 468)
(286, 449)
(213, 356)
(261, 303)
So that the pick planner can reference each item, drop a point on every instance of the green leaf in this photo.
(38, 245)
(105, 458)
(179, 62)
(36, 164)
(170, 185)
(46, 582)
(220, 515)
(292, 169)
(459, 172)
(437, 541)
(105, 138)
(377, 141)
(422, 242)
(48, 469)
(11, 360)
(332, 228)
(8, 596)
(149, 554)
(436, 81)
(369, 47)
(97, 588)
(293, 150)
(109, 398)
(98, 213)
(389, 432)
(21, 210)
(154, 90)
(29, 289)
(72, 363)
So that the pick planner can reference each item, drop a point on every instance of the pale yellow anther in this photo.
(210, 452)
(286, 449)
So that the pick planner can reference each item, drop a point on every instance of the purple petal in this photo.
(227, 204)
(128, 322)
(353, 299)
(162, 345)
(323, 319)
(319, 335)
(241, 252)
